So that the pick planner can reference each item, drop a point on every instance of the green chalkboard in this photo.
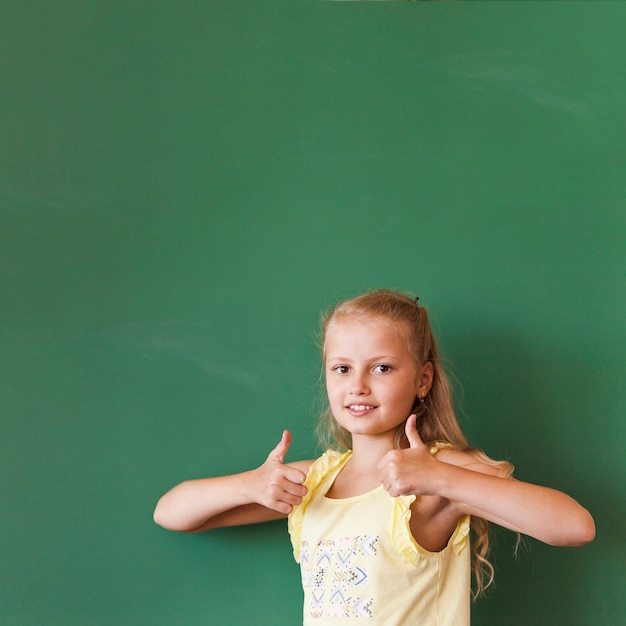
(185, 186)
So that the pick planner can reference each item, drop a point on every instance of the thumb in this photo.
(279, 452)
(412, 435)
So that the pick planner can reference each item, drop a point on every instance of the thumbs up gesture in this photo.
(278, 486)
(410, 470)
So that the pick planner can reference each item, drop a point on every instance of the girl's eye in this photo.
(383, 368)
(340, 369)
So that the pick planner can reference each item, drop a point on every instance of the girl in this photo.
(381, 529)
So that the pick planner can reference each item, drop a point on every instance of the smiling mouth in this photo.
(361, 407)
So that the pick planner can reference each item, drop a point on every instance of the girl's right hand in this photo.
(278, 486)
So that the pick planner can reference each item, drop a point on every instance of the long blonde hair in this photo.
(436, 419)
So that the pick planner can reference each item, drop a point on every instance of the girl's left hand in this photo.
(410, 470)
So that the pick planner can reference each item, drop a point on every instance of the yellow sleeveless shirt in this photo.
(361, 565)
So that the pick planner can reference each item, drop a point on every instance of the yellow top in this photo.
(358, 559)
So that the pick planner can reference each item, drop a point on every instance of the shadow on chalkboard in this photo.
(516, 399)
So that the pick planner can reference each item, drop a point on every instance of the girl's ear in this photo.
(425, 379)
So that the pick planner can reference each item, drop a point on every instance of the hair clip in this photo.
(416, 299)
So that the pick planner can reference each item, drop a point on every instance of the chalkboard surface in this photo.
(185, 186)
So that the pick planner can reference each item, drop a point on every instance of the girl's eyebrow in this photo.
(382, 357)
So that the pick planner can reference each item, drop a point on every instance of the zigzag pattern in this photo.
(344, 605)
(329, 574)
(369, 544)
(363, 608)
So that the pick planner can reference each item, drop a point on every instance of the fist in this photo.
(279, 487)
(410, 470)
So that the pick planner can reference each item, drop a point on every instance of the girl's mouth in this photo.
(359, 410)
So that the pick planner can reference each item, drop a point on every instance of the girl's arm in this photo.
(543, 513)
(263, 494)
(546, 514)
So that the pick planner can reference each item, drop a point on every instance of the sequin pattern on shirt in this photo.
(336, 572)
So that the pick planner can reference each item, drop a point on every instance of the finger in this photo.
(294, 475)
(412, 435)
(294, 494)
(279, 452)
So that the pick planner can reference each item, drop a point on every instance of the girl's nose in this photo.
(358, 385)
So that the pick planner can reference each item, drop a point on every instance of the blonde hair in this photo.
(436, 419)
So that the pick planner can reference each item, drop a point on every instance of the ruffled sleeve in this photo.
(330, 462)
(401, 530)
(403, 538)
(460, 537)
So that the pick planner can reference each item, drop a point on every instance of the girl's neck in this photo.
(360, 474)
(367, 451)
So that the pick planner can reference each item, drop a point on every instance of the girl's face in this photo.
(371, 379)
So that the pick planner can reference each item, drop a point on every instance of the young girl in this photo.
(381, 529)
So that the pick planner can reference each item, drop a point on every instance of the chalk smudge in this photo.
(186, 342)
